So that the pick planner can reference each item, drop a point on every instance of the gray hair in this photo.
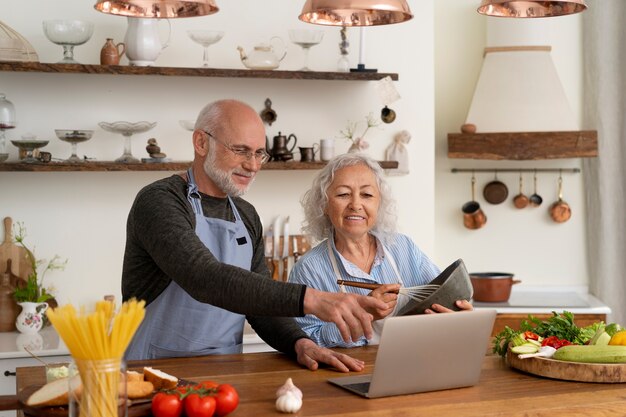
(315, 200)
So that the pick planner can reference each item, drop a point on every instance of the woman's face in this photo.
(353, 201)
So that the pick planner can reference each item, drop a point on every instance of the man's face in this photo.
(231, 163)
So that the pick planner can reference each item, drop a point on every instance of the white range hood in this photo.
(519, 89)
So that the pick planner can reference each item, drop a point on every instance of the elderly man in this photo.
(194, 252)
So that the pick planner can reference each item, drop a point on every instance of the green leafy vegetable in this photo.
(560, 325)
(501, 340)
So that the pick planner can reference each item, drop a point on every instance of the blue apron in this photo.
(176, 325)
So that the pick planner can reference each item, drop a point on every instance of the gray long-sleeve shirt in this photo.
(162, 246)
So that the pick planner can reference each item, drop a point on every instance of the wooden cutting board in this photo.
(139, 408)
(569, 371)
(20, 264)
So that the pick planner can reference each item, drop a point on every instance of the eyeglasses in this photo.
(242, 152)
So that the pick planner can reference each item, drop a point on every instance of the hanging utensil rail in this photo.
(517, 170)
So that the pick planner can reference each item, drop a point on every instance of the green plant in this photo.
(34, 290)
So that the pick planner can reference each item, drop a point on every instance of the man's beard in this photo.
(223, 179)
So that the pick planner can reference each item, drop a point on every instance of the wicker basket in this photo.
(14, 47)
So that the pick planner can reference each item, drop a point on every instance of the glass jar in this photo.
(7, 120)
(103, 392)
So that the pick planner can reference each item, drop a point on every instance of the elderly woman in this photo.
(350, 206)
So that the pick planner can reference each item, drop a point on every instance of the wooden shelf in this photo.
(523, 145)
(187, 72)
(92, 166)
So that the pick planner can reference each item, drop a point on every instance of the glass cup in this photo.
(327, 149)
(103, 392)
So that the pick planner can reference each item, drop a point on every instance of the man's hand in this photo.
(348, 311)
(311, 355)
(464, 305)
(388, 293)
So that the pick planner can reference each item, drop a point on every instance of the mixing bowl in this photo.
(454, 284)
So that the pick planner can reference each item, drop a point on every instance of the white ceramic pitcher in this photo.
(30, 320)
(143, 43)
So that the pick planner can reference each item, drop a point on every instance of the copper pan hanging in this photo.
(495, 192)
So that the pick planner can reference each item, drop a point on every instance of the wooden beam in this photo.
(523, 145)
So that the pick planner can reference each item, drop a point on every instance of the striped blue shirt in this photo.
(314, 269)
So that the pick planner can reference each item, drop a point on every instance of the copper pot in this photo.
(473, 216)
(492, 287)
(560, 211)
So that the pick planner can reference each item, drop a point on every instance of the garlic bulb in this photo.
(288, 386)
(288, 402)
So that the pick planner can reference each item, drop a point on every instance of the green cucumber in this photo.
(534, 342)
(591, 354)
(526, 348)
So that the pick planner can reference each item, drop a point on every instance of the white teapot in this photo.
(263, 56)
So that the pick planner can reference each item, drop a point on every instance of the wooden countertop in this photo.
(501, 390)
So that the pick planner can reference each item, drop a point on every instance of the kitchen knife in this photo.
(285, 249)
(296, 253)
(276, 248)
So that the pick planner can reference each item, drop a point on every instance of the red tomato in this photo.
(207, 385)
(227, 399)
(528, 335)
(166, 405)
(199, 406)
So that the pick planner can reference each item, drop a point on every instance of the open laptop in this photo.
(426, 352)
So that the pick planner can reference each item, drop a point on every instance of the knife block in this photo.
(282, 265)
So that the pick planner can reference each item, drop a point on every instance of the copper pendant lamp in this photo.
(157, 8)
(523, 9)
(355, 12)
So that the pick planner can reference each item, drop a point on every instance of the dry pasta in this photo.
(97, 342)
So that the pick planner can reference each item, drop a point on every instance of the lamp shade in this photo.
(520, 8)
(355, 12)
(157, 8)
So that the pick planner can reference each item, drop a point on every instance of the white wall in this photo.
(525, 242)
(81, 216)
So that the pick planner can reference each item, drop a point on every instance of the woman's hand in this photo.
(387, 293)
(464, 305)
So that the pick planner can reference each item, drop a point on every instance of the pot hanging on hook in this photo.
(520, 201)
(495, 192)
(535, 199)
(560, 211)
(473, 216)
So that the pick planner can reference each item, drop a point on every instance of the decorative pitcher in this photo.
(30, 320)
(143, 43)
(110, 53)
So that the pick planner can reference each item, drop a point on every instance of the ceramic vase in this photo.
(30, 320)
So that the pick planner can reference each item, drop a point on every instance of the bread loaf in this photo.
(160, 379)
(54, 393)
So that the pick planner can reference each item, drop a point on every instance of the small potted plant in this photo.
(32, 296)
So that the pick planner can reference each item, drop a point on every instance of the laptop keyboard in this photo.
(363, 387)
